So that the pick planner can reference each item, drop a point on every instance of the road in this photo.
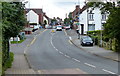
(53, 53)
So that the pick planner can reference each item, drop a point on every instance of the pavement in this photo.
(96, 50)
(20, 64)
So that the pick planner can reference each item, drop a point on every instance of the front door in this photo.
(82, 29)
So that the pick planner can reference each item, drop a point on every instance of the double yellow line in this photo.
(36, 38)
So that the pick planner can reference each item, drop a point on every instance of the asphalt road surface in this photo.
(53, 53)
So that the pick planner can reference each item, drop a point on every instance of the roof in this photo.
(78, 10)
(36, 10)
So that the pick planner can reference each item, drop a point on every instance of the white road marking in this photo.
(108, 71)
(70, 38)
(70, 42)
(53, 45)
(39, 71)
(25, 50)
(60, 52)
(90, 65)
(67, 56)
(56, 49)
(65, 32)
(76, 59)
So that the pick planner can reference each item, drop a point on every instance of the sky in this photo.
(55, 8)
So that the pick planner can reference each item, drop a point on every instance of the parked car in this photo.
(67, 27)
(86, 40)
(54, 27)
(59, 28)
(48, 27)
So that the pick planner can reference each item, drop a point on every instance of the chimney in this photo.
(77, 7)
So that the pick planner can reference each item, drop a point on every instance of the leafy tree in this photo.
(67, 21)
(13, 21)
(13, 18)
(53, 20)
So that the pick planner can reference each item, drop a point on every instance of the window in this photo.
(103, 16)
(91, 27)
(90, 16)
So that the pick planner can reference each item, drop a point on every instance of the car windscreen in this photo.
(87, 39)
(59, 26)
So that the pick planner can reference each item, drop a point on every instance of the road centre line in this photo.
(65, 32)
(108, 71)
(60, 52)
(67, 56)
(70, 38)
(76, 60)
(90, 65)
(70, 42)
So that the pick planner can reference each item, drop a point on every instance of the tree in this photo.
(13, 18)
(53, 21)
(67, 21)
(13, 21)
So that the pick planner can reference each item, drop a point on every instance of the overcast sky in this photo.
(55, 8)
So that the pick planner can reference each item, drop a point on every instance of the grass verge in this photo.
(8, 63)
(0, 63)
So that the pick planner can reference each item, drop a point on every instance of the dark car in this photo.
(86, 40)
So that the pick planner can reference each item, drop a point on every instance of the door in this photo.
(82, 29)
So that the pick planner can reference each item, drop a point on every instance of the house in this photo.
(86, 19)
(38, 13)
(75, 15)
(35, 18)
(91, 20)
(45, 17)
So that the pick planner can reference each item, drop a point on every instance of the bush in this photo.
(95, 35)
(8, 63)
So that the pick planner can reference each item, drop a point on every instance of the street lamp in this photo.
(101, 29)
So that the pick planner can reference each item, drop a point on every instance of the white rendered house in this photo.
(91, 20)
(32, 17)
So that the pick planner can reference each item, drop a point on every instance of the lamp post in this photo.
(101, 29)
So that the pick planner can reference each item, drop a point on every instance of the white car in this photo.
(67, 27)
(59, 28)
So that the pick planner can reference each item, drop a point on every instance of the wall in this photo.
(83, 20)
(32, 17)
